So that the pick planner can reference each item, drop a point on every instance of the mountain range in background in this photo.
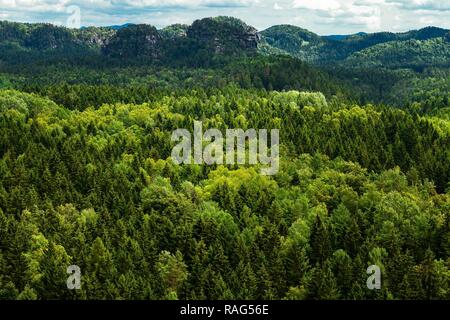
(226, 35)
(384, 67)
(336, 37)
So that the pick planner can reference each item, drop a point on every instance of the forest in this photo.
(87, 178)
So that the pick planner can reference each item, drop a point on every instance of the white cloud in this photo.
(7, 3)
(276, 6)
(440, 5)
(321, 16)
(35, 5)
(426, 20)
(30, 4)
(316, 4)
(365, 13)
(181, 3)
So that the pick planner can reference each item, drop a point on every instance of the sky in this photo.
(324, 17)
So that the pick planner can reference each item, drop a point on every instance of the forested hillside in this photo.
(313, 48)
(87, 177)
(386, 67)
(372, 67)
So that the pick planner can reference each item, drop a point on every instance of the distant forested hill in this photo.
(216, 35)
(313, 48)
(403, 54)
(226, 35)
(392, 68)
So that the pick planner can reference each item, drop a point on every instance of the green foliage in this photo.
(174, 31)
(413, 54)
(86, 176)
(135, 41)
(311, 47)
(97, 188)
(224, 34)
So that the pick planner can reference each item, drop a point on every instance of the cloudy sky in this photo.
(320, 16)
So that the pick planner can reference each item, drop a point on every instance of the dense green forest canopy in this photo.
(86, 175)
(114, 203)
